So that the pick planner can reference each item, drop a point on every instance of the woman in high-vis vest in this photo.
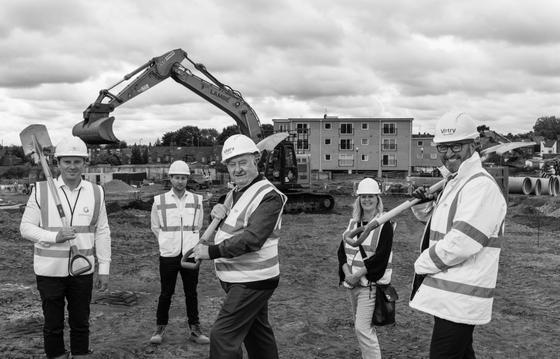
(360, 268)
(245, 256)
(456, 272)
(84, 207)
(177, 217)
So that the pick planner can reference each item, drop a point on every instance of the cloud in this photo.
(288, 58)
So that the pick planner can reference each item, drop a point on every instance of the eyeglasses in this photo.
(455, 147)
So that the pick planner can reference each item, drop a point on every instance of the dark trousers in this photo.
(168, 269)
(77, 292)
(243, 319)
(451, 340)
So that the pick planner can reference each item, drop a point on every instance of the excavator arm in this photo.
(97, 126)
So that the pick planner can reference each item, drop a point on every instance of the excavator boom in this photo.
(279, 165)
(97, 126)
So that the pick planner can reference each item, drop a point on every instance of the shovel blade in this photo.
(98, 131)
(34, 135)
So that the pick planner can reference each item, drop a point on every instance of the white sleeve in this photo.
(103, 241)
(30, 220)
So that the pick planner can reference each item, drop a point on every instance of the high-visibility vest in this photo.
(354, 257)
(462, 293)
(253, 266)
(52, 260)
(179, 227)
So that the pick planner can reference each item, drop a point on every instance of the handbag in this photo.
(384, 310)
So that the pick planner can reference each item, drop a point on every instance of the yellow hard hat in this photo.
(71, 147)
(179, 168)
(238, 145)
(455, 126)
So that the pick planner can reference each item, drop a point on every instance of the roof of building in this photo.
(344, 119)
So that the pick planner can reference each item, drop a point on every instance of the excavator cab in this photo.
(280, 167)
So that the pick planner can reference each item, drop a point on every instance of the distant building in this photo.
(424, 154)
(351, 144)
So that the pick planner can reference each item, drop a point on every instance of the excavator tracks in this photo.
(308, 202)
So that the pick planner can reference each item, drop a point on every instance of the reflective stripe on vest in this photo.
(253, 266)
(463, 227)
(473, 233)
(162, 208)
(44, 206)
(53, 260)
(354, 258)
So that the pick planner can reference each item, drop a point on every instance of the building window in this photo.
(365, 158)
(419, 156)
(301, 127)
(345, 160)
(389, 160)
(389, 144)
(365, 141)
(346, 144)
(327, 141)
(420, 143)
(327, 125)
(327, 157)
(389, 129)
(302, 144)
(433, 156)
(365, 126)
(346, 128)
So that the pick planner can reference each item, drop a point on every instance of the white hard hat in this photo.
(71, 147)
(455, 126)
(368, 186)
(237, 145)
(179, 168)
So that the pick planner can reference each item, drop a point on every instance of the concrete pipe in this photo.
(519, 185)
(556, 185)
(545, 186)
(535, 186)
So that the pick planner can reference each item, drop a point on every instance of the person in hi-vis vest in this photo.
(456, 272)
(245, 256)
(361, 268)
(177, 218)
(84, 206)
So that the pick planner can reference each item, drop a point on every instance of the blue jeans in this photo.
(77, 292)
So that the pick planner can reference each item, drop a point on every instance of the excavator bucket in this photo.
(98, 131)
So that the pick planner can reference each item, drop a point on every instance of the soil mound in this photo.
(118, 186)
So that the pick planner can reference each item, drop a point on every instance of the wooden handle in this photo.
(364, 231)
(205, 237)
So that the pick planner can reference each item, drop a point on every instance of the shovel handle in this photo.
(204, 238)
(364, 231)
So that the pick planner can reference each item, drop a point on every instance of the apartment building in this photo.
(424, 154)
(351, 144)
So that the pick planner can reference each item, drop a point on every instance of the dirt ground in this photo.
(309, 311)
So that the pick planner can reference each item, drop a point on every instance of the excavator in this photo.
(278, 164)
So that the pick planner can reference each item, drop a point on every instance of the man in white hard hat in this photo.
(245, 256)
(84, 206)
(177, 217)
(457, 270)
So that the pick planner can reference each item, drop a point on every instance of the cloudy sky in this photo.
(497, 60)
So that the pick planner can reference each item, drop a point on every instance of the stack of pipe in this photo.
(519, 185)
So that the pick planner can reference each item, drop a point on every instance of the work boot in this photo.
(197, 336)
(157, 337)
